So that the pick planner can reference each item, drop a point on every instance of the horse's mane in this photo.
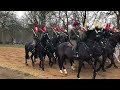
(88, 32)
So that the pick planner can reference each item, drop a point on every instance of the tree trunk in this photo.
(2, 36)
(118, 20)
(12, 41)
(67, 21)
(84, 19)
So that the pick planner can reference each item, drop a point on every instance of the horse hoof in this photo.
(116, 66)
(97, 70)
(72, 67)
(108, 66)
(26, 64)
(51, 64)
(61, 71)
(104, 70)
(65, 71)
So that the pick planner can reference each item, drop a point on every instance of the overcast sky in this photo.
(20, 14)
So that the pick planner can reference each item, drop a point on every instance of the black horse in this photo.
(40, 49)
(108, 43)
(88, 48)
(85, 54)
(65, 51)
(50, 50)
(57, 40)
(36, 49)
(30, 47)
(48, 47)
(109, 48)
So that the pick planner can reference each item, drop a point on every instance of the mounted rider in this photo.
(74, 34)
(36, 29)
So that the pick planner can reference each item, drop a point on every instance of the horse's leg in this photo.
(32, 60)
(41, 62)
(116, 54)
(35, 56)
(44, 57)
(65, 61)
(64, 69)
(103, 62)
(40, 66)
(112, 62)
(99, 65)
(54, 57)
(83, 65)
(95, 63)
(60, 63)
(50, 62)
(26, 57)
(79, 68)
(94, 68)
(116, 57)
(71, 63)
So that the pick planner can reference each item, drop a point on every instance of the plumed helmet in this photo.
(65, 30)
(75, 23)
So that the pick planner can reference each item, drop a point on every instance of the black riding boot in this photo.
(75, 54)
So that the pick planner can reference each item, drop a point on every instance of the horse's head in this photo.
(116, 36)
(107, 33)
(90, 34)
(36, 38)
(66, 37)
(45, 37)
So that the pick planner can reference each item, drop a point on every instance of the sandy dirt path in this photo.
(13, 58)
